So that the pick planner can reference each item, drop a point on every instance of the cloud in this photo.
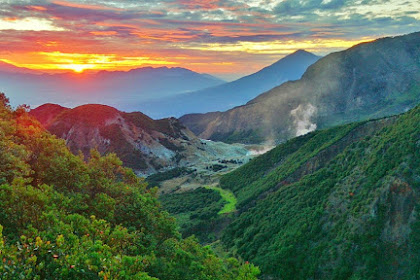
(235, 34)
(28, 24)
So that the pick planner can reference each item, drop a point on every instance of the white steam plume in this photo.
(302, 118)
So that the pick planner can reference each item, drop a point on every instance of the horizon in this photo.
(227, 39)
(78, 72)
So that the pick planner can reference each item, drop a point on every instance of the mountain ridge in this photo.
(233, 93)
(119, 89)
(144, 144)
(368, 80)
(10, 68)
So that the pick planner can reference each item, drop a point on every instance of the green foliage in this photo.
(351, 215)
(261, 165)
(216, 167)
(281, 162)
(155, 179)
(64, 218)
(228, 197)
(196, 211)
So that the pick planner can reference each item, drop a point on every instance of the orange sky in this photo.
(228, 38)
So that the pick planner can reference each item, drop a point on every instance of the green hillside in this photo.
(340, 203)
(63, 218)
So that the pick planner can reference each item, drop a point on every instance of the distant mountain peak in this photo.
(369, 80)
(299, 54)
(301, 51)
(10, 68)
(235, 93)
(121, 89)
(49, 106)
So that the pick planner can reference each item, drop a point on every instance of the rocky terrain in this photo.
(142, 143)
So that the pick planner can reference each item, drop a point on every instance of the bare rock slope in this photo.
(142, 143)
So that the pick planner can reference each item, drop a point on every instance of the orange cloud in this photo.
(216, 36)
(279, 46)
(36, 8)
(103, 33)
(79, 62)
(10, 19)
(83, 6)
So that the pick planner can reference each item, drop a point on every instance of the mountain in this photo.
(10, 68)
(238, 92)
(369, 80)
(340, 203)
(65, 218)
(119, 89)
(144, 144)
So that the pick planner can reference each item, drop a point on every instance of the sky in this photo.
(226, 38)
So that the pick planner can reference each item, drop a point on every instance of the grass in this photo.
(227, 196)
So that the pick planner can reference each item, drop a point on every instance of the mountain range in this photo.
(117, 88)
(369, 80)
(10, 68)
(235, 93)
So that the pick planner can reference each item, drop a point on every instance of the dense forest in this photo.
(340, 203)
(64, 218)
(197, 212)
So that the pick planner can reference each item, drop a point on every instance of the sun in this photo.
(78, 68)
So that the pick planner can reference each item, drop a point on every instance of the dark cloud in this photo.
(292, 7)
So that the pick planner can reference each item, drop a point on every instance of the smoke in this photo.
(302, 118)
(260, 150)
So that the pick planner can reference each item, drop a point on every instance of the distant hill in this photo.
(238, 92)
(119, 89)
(144, 144)
(369, 80)
(340, 203)
(10, 68)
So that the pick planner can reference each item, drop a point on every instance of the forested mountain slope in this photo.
(63, 218)
(340, 203)
(369, 80)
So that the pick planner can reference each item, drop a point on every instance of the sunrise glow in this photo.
(78, 62)
(236, 37)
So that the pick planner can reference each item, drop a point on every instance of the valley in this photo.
(144, 144)
(216, 160)
(345, 171)
(354, 184)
